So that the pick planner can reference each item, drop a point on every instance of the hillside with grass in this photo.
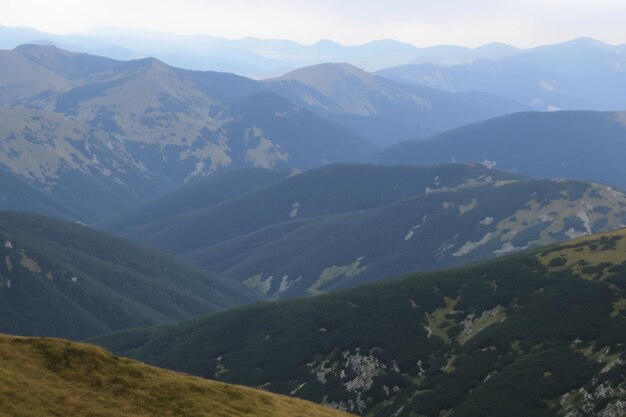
(52, 377)
(535, 334)
(65, 279)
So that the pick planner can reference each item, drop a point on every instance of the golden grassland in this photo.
(53, 377)
(587, 251)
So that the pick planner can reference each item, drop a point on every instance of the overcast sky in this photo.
(421, 22)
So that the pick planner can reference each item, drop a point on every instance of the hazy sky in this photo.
(420, 22)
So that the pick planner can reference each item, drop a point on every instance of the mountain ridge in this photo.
(581, 145)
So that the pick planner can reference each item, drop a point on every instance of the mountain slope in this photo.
(359, 100)
(534, 334)
(18, 194)
(577, 145)
(43, 377)
(64, 279)
(200, 194)
(344, 225)
(87, 169)
(105, 134)
(308, 139)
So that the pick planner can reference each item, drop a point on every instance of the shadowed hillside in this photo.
(579, 145)
(65, 279)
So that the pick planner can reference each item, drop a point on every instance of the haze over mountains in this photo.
(119, 132)
(258, 58)
(582, 74)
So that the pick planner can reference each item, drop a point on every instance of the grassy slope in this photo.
(64, 279)
(52, 377)
(524, 335)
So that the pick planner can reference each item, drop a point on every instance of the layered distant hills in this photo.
(64, 279)
(102, 135)
(582, 74)
(535, 334)
(343, 225)
(249, 56)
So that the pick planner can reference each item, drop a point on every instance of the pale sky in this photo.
(522, 23)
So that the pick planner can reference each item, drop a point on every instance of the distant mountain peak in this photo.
(329, 70)
(583, 42)
(47, 47)
(326, 43)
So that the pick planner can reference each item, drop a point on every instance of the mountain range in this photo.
(344, 225)
(103, 135)
(251, 57)
(65, 279)
(533, 334)
(582, 74)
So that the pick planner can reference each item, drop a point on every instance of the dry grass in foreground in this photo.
(52, 377)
